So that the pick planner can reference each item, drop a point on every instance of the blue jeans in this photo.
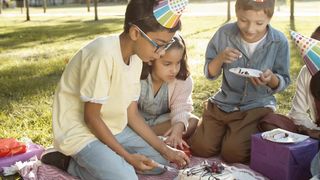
(98, 161)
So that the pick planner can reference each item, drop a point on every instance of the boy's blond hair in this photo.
(266, 5)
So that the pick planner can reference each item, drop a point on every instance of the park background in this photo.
(34, 52)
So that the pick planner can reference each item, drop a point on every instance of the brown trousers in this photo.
(226, 133)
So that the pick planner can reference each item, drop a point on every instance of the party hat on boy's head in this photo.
(309, 50)
(168, 12)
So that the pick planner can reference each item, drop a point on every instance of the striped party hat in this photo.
(168, 12)
(309, 50)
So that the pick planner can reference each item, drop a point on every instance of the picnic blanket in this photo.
(47, 172)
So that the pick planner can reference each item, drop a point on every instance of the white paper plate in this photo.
(246, 72)
(283, 136)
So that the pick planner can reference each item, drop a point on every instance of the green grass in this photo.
(33, 55)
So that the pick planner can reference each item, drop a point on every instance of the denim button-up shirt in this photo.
(237, 92)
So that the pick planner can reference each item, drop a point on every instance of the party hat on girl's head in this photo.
(168, 12)
(309, 50)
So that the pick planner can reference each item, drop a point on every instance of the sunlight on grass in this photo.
(33, 56)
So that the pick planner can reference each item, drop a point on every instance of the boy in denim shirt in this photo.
(232, 114)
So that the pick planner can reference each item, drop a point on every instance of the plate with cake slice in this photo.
(282, 136)
(246, 72)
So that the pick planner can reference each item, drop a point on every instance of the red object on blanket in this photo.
(10, 147)
(185, 150)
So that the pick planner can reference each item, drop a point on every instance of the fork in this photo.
(167, 168)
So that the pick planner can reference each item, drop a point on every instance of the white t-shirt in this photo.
(251, 47)
(96, 73)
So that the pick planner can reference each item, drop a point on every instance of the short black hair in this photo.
(140, 13)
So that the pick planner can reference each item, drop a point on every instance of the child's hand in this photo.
(175, 136)
(177, 156)
(141, 163)
(266, 78)
(229, 55)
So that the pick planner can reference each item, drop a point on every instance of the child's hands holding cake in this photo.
(176, 156)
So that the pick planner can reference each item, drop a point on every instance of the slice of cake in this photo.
(206, 171)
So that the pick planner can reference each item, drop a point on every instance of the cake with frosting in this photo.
(217, 171)
(206, 171)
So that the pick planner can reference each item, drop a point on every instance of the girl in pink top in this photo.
(165, 99)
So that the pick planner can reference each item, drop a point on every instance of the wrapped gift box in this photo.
(279, 161)
(32, 150)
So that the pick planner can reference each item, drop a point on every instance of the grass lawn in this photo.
(33, 56)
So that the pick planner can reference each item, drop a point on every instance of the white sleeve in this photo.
(300, 104)
(94, 79)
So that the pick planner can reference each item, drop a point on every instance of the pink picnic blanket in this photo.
(47, 172)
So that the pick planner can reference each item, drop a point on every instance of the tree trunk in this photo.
(27, 10)
(229, 11)
(44, 6)
(88, 5)
(291, 10)
(0, 6)
(95, 10)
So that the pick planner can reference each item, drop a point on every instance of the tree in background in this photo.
(44, 6)
(0, 6)
(95, 10)
(291, 10)
(88, 5)
(27, 11)
(229, 11)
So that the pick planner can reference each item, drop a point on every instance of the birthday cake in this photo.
(215, 171)
(206, 171)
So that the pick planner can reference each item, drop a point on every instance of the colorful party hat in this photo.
(168, 12)
(309, 50)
